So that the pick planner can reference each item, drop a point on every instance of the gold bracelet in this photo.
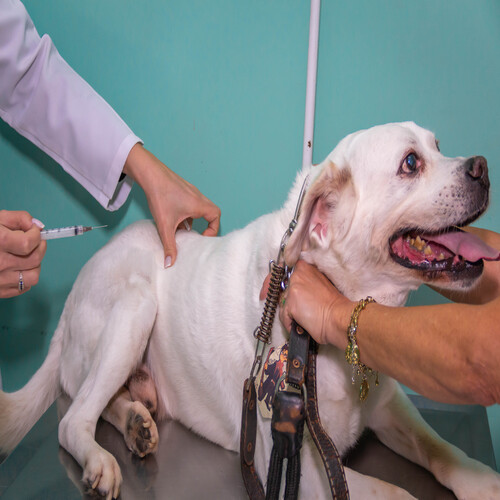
(352, 351)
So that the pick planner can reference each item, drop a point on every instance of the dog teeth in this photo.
(441, 256)
(417, 243)
(427, 250)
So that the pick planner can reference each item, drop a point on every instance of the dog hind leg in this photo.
(121, 347)
(134, 421)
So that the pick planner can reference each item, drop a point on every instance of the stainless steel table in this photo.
(189, 467)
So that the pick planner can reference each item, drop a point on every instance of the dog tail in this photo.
(20, 410)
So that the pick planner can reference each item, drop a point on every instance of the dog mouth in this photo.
(451, 251)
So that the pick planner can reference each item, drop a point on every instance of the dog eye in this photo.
(410, 164)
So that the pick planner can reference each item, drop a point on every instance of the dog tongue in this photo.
(469, 246)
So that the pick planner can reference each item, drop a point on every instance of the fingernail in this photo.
(168, 261)
(38, 223)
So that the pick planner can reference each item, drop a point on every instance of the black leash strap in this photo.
(291, 441)
(287, 429)
(247, 442)
(326, 447)
(287, 425)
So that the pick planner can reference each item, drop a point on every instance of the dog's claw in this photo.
(102, 474)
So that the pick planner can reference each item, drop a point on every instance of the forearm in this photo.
(447, 352)
(52, 106)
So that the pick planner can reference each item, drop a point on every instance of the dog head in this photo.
(382, 215)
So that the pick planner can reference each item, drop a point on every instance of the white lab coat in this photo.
(48, 103)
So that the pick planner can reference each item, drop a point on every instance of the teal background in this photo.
(216, 90)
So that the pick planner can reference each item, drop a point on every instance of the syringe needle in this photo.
(89, 228)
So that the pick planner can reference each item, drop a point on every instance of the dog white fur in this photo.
(192, 324)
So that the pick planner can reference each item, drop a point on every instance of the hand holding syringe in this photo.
(66, 232)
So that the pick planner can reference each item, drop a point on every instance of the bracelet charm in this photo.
(352, 355)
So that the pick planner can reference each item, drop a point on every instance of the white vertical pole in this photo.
(312, 64)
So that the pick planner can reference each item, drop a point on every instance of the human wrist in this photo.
(339, 313)
(136, 164)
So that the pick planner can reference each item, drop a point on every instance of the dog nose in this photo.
(476, 167)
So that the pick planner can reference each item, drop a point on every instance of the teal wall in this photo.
(216, 90)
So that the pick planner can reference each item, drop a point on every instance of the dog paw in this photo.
(141, 433)
(475, 481)
(102, 474)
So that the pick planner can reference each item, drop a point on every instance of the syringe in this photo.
(66, 232)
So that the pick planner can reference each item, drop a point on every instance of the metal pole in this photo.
(312, 64)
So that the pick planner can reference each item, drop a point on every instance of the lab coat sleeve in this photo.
(51, 105)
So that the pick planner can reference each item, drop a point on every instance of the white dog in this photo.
(191, 325)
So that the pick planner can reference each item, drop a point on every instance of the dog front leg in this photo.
(362, 487)
(399, 425)
(314, 482)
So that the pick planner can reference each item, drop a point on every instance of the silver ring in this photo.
(21, 282)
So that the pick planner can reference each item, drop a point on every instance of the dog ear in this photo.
(316, 215)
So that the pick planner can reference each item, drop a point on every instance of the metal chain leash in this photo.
(280, 274)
